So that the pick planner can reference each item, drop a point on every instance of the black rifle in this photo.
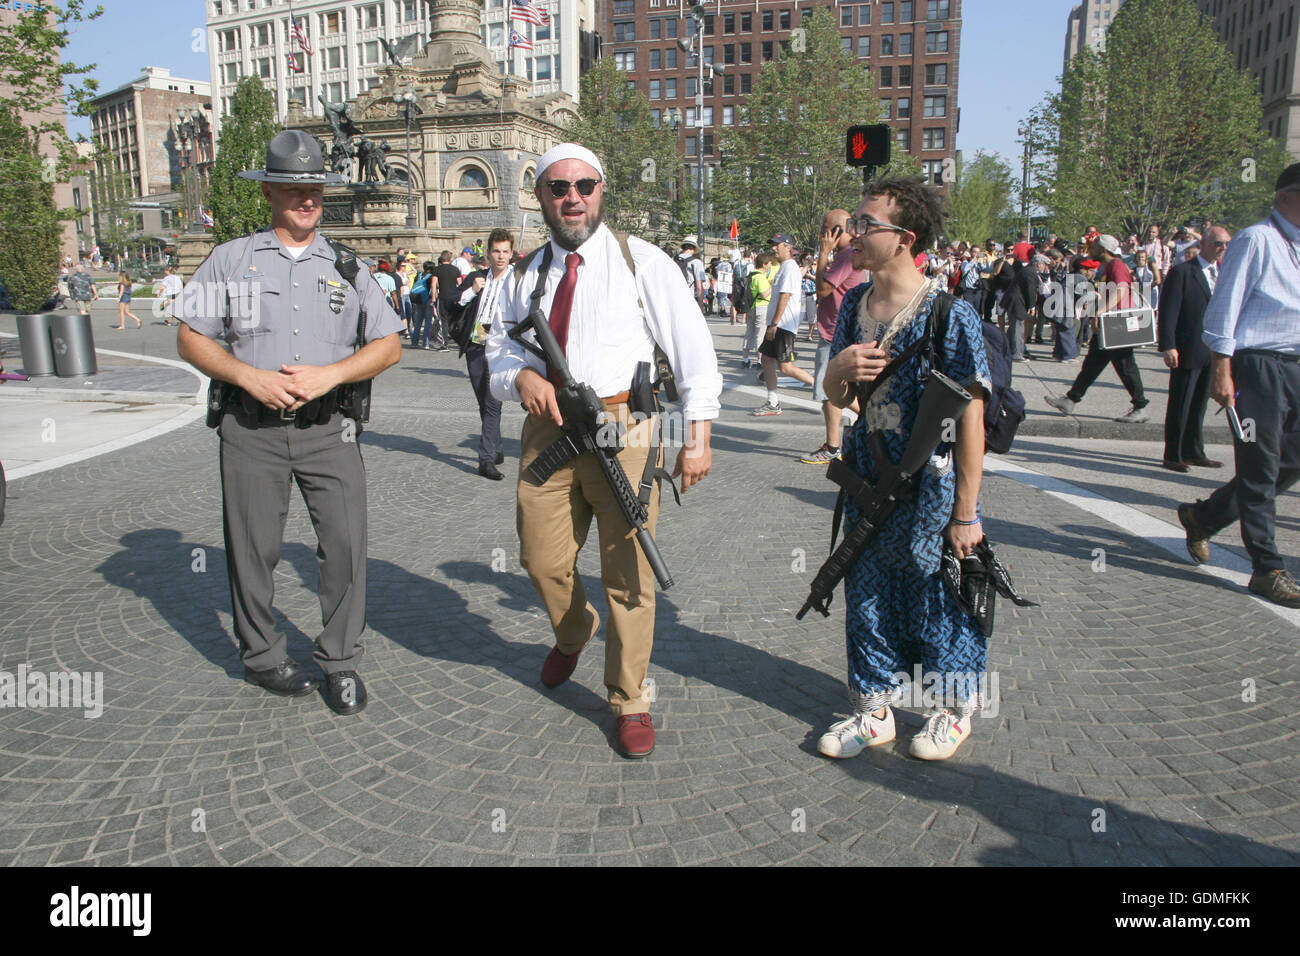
(582, 411)
(942, 405)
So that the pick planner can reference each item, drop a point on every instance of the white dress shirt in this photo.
(608, 335)
(1209, 270)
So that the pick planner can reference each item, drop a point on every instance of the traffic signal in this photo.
(867, 145)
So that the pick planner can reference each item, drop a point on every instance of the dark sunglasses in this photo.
(862, 225)
(560, 187)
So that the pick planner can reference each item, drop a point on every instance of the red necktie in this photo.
(561, 307)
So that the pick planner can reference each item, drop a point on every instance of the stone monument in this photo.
(475, 137)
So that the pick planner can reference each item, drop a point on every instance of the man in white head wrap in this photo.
(610, 300)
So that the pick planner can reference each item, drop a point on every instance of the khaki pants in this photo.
(553, 520)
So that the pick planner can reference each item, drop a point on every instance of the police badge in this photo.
(337, 299)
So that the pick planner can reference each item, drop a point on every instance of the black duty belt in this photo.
(316, 412)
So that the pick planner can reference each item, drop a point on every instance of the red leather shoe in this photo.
(558, 667)
(636, 735)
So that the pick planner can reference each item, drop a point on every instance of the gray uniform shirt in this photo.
(283, 311)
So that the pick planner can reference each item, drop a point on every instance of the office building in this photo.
(350, 42)
(1087, 26)
(1263, 39)
(910, 48)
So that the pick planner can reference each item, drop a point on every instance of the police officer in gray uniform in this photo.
(290, 319)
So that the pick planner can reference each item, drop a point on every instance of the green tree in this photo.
(29, 221)
(980, 201)
(39, 84)
(237, 204)
(783, 164)
(35, 151)
(1156, 129)
(640, 161)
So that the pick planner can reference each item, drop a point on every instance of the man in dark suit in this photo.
(1183, 297)
(1021, 301)
(480, 298)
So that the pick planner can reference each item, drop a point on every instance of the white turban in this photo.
(569, 151)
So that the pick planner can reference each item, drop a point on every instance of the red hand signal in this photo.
(859, 145)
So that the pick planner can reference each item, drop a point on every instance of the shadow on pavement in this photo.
(157, 565)
(416, 446)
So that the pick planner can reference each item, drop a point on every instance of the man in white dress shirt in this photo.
(593, 302)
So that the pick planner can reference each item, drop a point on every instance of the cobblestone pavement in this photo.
(1121, 735)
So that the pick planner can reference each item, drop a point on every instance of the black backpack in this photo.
(1005, 408)
(742, 296)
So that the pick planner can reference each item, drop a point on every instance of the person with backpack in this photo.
(760, 294)
(296, 338)
(899, 612)
(423, 290)
(692, 270)
(611, 301)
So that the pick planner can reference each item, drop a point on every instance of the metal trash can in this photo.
(34, 341)
(74, 346)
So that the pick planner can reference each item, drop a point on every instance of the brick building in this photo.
(134, 129)
(910, 48)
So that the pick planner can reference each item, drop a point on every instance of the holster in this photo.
(219, 396)
(641, 398)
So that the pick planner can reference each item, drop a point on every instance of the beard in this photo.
(571, 236)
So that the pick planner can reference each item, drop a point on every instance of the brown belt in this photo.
(619, 399)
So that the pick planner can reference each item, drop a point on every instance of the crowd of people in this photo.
(629, 320)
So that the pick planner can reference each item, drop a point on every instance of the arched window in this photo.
(472, 177)
(530, 179)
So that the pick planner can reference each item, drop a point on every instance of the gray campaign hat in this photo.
(293, 157)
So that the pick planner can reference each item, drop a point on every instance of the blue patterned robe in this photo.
(899, 613)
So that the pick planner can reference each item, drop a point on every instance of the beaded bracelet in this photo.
(965, 524)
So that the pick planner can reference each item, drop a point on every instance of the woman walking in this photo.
(124, 303)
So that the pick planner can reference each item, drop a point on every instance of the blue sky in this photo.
(1010, 57)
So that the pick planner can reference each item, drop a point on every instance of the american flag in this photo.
(299, 34)
(517, 40)
(524, 10)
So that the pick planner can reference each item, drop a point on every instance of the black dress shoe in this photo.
(500, 459)
(345, 693)
(489, 470)
(1205, 463)
(286, 679)
(1175, 466)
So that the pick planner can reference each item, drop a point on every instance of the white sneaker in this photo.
(848, 738)
(942, 734)
(1134, 416)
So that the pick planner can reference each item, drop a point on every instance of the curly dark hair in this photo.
(918, 206)
(500, 235)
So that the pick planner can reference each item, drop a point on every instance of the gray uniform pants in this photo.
(257, 466)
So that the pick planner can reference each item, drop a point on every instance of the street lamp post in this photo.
(407, 100)
(182, 140)
(695, 47)
(1026, 131)
(189, 133)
